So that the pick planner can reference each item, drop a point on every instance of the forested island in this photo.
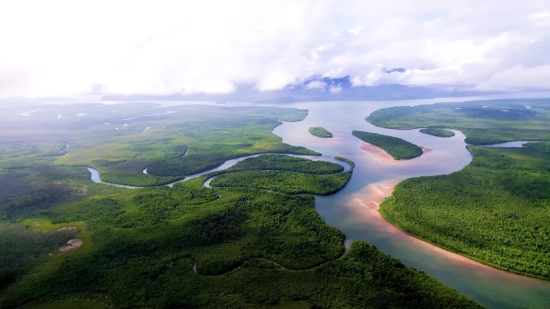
(398, 148)
(320, 132)
(439, 132)
(247, 242)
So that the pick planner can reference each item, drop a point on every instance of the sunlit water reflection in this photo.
(354, 209)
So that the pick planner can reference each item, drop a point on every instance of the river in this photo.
(354, 209)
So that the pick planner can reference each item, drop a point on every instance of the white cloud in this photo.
(316, 84)
(57, 48)
(518, 78)
(335, 88)
(356, 30)
(541, 15)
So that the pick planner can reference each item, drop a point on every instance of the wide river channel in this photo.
(354, 209)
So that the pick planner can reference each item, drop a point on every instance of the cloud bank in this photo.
(56, 48)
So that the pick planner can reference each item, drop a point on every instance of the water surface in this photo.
(354, 209)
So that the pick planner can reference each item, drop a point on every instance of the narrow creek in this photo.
(95, 177)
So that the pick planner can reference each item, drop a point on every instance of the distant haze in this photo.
(319, 48)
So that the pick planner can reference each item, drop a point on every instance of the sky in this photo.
(61, 48)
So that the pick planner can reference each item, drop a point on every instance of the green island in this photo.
(248, 245)
(320, 132)
(439, 132)
(398, 148)
(483, 122)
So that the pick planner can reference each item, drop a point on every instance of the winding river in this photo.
(354, 209)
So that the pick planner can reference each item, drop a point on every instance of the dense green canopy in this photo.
(496, 210)
(254, 243)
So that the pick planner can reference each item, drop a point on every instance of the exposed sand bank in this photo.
(374, 194)
(67, 228)
(71, 245)
(426, 149)
(379, 153)
(384, 157)
(368, 206)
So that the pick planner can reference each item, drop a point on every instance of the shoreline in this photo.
(383, 156)
(378, 153)
(370, 210)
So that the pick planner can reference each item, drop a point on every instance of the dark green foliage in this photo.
(284, 182)
(19, 245)
(190, 246)
(219, 235)
(137, 180)
(285, 174)
(287, 163)
(132, 277)
(23, 191)
(42, 197)
(437, 132)
(364, 278)
(320, 132)
(483, 122)
(250, 248)
(348, 161)
(496, 210)
(195, 163)
(398, 148)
